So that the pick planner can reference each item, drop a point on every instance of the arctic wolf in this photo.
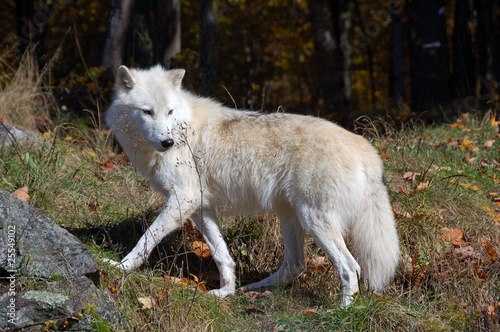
(210, 160)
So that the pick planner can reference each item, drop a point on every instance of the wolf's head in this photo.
(150, 102)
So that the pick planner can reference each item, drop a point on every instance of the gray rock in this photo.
(61, 302)
(56, 266)
(10, 135)
(37, 246)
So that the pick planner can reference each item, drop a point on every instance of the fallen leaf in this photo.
(466, 252)
(255, 310)
(410, 176)
(422, 186)
(200, 249)
(478, 275)
(490, 249)
(489, 143)
(454, 235)
(310, 312)
(104, 278)
(398, 212)
(161, 294)
(403, 190)
(467, 144)
(318, 264)
(469, 186)
(491, 310)
(147, 302)
(472, 160)
(22, 194)
(252, 296)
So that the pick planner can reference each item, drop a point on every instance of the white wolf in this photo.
(210, 160)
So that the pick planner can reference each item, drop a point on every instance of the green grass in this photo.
(439, 177)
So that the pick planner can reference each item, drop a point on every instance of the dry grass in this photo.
(25, 100)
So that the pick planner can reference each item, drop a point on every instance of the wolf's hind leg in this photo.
(210, 229)
(293, 239)
(328, 235)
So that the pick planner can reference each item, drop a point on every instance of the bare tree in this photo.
(207, 71)
(117, 27)
(463, 59)
(330, 21)
(429, 56)
(172, 31)
(397, 87)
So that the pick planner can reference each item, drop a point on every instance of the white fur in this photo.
(316, 176)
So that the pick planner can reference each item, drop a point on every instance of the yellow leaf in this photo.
(469, 186)
(69, 138)
(91, 153)
(494, 122)
(467, 144)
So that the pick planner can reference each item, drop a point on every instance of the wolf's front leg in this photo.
(210, 229)
(168, 220)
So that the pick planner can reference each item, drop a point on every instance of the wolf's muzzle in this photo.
(167, 143)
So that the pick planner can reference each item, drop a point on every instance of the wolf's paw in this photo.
(347, 300)
(221, 292)
(111, 262)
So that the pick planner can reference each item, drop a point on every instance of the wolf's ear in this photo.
(176, 76)
(124, 78)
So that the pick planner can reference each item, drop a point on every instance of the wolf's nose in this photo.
(167, 143)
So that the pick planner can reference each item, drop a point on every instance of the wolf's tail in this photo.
(375, 239)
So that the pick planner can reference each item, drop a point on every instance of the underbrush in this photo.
(444, 185)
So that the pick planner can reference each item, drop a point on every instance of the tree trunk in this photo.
(31, 27)
(369, 53)
(25, 28)
(496, 54)
(172, 31)
(207, 71)
(429, 57)
(117, 27)
(463, 80)
(396, 84)
(333, 53)
(140, 42)
(487, 49)
(342, 21)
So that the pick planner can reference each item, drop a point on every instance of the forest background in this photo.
(338, 59)
(420, 79)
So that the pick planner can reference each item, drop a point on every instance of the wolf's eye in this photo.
(147, 111)
(170, 112)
